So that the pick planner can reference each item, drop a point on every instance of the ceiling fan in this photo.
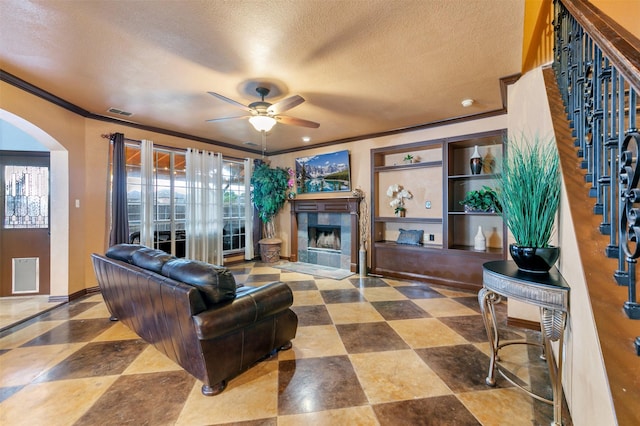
(265, 115)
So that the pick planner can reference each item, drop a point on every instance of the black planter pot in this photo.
(536, 260)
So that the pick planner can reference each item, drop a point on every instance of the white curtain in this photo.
(147, 193)
(204, 220)
(248, 210)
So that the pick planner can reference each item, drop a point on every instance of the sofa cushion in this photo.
(151, 259)
(123, 252)
(216, 284)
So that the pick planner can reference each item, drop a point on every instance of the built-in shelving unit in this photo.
(438, 178)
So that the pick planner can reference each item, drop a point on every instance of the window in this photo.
(169, 198)
(26, 196)
(169, 185)
(233, 206)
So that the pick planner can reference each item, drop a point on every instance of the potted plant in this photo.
(529, 195)
(269, 193)
(483, 200)
(408, 159)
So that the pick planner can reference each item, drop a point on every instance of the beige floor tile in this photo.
(118, 331)
(14, 309)
(98, 311)
(252, 395)
(377, 294)
(151, 361)
(426, 332)
(354, 416)
(53, 403)
(514, 358)
(327, 284)
(442, 307)
(265, 270)
(315, 341)
(307, 297)
(398, 283)
(28, 333)
(349, 313)
(21, 365)
(295, 276)
(499, 407)
(94, 298)
(396, 376)
(450, 292)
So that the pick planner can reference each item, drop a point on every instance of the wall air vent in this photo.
(120, 112)
(250, 143)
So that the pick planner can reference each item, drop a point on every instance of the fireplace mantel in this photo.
(345, 205)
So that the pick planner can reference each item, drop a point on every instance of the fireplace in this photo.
(325, 232)
(324, 237)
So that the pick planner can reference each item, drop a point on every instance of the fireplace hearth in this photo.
(325, 232)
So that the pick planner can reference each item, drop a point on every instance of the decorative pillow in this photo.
(216, 284)
(410, 236)
(123, 252)
(151, 259)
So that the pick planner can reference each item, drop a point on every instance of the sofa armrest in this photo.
(250, 305)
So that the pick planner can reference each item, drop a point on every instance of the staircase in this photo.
(593, 96)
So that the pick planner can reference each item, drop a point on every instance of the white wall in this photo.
(584, 379)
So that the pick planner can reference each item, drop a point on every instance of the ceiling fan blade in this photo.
(231, 101)
(285, 104)
(213, 120)
(297, 121)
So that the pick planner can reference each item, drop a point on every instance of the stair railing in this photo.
(599, 79)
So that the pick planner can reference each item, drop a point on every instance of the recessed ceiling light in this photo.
(467, 103)
(306, 139)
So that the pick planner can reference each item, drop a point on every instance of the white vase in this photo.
(362, 260)
(480, 242)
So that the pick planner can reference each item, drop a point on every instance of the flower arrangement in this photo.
(399, 194)
(291, 193)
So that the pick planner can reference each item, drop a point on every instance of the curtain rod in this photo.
(173, 148)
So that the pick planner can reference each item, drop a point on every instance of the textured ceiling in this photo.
(363, 66)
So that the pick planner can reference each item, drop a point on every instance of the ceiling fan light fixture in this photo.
(262, 123)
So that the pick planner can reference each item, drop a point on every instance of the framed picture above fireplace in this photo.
(323, 173)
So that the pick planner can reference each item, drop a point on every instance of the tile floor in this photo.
(368, 351)
(21, 308)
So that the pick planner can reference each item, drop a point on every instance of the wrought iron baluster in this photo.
(610, 177)
(621, 274)
(629, 199)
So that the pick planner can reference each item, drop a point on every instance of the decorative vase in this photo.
(488, 162)
(537, 260)
(475, 162)
(362, 259)
(480, 242)
(400, 213)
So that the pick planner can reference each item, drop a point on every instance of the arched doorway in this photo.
(59, 207)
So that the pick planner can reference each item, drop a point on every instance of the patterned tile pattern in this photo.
(369, 351)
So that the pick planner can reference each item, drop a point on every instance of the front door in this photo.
(24, 215)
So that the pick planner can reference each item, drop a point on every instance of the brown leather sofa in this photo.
(194, 313)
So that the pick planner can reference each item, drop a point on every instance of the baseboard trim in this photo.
(74, 296)
(523, 323)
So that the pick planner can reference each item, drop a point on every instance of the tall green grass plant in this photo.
(529, 190)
